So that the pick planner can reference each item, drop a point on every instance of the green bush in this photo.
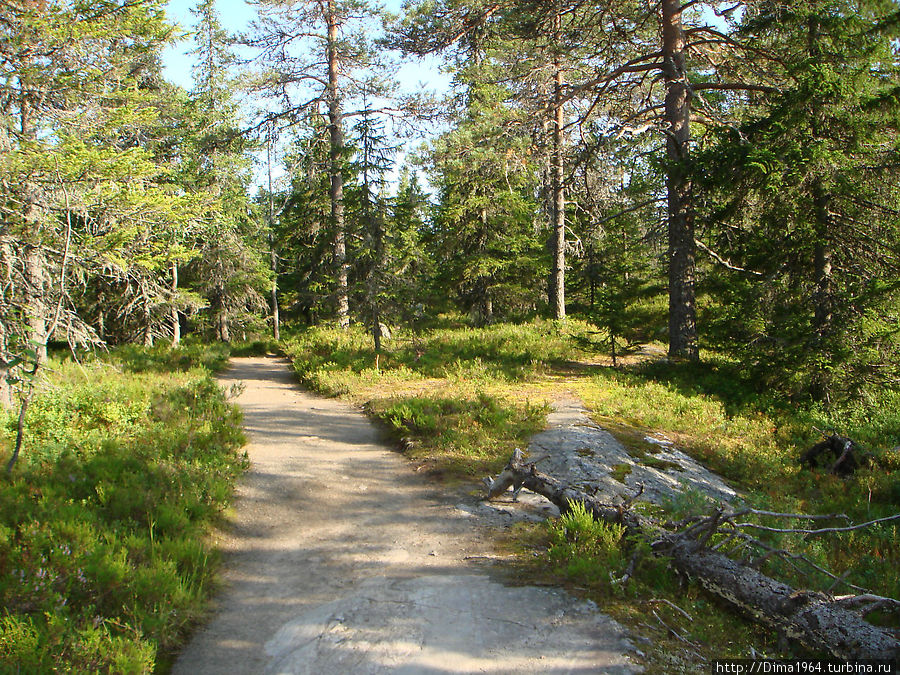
(163, 358)
(103, 523)
(255, 348)
(459, 435)
(585, 549)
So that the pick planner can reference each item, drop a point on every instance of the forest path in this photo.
(341, 559)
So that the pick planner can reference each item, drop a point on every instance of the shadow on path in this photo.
(341, 560)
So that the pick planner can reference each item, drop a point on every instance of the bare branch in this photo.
(733, 86)
(823, 530)
(722, 261)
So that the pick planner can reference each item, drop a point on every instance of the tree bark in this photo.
(815, 620)
(220, 315)
(101, 315)
(5, 388)
(222, 327)
(146, 316)
(273, 297)
(558, 199)
(824, 299)
(336, 191)
(6, 270)
(823, 296)
(375, 276)
(681, 252)
(34, 287)
(273, 294)
(34, 296)
(176, 321)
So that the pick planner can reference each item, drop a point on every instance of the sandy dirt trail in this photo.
(341, 559)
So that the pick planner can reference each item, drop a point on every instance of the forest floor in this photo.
(341, 558)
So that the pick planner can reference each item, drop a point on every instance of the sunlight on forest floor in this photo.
(458, 400)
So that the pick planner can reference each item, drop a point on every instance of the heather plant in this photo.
(104, 560)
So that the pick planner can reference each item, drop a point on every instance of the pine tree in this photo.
(311, 51)
(76, 101)
(302, 232)
(409, 263)
(484, 238)
(371, 165)
(227, 268)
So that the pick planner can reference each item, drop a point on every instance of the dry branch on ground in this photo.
(819, 621)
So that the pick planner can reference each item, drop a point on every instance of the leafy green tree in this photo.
(312, 55)
(79, 191)
(518, 45)
(371, 164)
(408, 261)
(76, 97)
(302, 231)
(227, 267)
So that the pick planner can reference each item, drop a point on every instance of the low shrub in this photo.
(585, 549)
(459, 435)
(163, 358)
(103, 555)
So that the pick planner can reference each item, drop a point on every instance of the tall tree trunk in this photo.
(375, 274)
(146, 316)
(487, 307)
(336, 192)
(591, 272)
(681, 253)
(176, 321)
(823, 297)
(273, 295)
(482, 305)
(223, 329)
(822, 273)
(34, 288)
(34, 296)
(376, 327)
(558, 205)
(5, 388)
(101, 316)
(7, 261)
(824, 300)
(220, 314)
(6, 269)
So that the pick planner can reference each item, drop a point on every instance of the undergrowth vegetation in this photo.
(461, 398)
(458, 398)
(758, 450)
(103, 555)
(459, 435)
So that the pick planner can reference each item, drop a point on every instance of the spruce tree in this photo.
(811, 200)
(484, 237)
(78, 101)
(227, 268)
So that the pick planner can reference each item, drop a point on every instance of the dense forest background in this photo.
(718, 177)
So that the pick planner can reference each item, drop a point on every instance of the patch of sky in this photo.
(236, 16)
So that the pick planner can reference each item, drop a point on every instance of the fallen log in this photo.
(818, 621)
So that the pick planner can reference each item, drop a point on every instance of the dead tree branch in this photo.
(816, 620)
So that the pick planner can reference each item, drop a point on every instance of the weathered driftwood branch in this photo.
(818, 621)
